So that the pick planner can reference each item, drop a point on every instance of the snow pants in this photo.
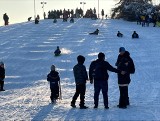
(54, 93)
(123, 96)
(98, 86)
(80, 90)
(1, 85)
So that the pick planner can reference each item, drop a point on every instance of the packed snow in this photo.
(27, 51)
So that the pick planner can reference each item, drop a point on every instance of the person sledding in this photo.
(57, 52)
(54, 79)
(119, 34)
(95, 32)
(135, 35)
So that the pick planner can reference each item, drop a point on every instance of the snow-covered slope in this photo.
(27, 50)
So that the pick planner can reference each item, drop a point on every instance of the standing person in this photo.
(6, 19)
(81, 76)
(2, 76)
(102, 13)
(98, 72)
(124, 63)
(54, 79)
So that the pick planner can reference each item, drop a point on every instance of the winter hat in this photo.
(101, 56)
(1, 63)
(53, 68)
(122, 49)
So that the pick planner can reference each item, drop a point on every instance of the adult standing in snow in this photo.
(81, 76)
(6, 19)
(124, 63)
(102, 13)
(98, 72)
(2, 76)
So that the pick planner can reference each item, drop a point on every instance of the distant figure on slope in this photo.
(81, 76)
(36, 21)
(135, 35)
(6, 19)
(29, 19)
(72, 20)
(54, 79)
(95, 32)
(55, 20)
(124, 63)
(2, 76)
(119, 34)
(57, 52)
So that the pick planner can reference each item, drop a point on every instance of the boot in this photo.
(73, 104)
(2, 84)
(83, 107)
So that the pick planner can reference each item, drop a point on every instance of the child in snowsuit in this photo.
(81, 76)
(2, 76)
(53, 78)
(57, 52)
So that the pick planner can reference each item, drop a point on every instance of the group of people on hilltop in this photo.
(146, 19)
(65, 14)
(98, 74)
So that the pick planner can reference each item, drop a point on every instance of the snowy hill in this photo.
(27, 51)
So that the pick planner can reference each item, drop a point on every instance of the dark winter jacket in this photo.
(119, 34)
(57, 52)
(124, 79)
(135, 35)
(128, 68)
(80, 74)
(53, 78)
(131, 63)
(2, 74)
(5, 17)
(98, 70)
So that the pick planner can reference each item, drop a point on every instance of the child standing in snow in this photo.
(54, 79)
(81, 76)
(2, 76)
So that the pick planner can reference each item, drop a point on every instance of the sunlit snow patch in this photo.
(66, 51)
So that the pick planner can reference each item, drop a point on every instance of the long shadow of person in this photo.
(42, 114)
